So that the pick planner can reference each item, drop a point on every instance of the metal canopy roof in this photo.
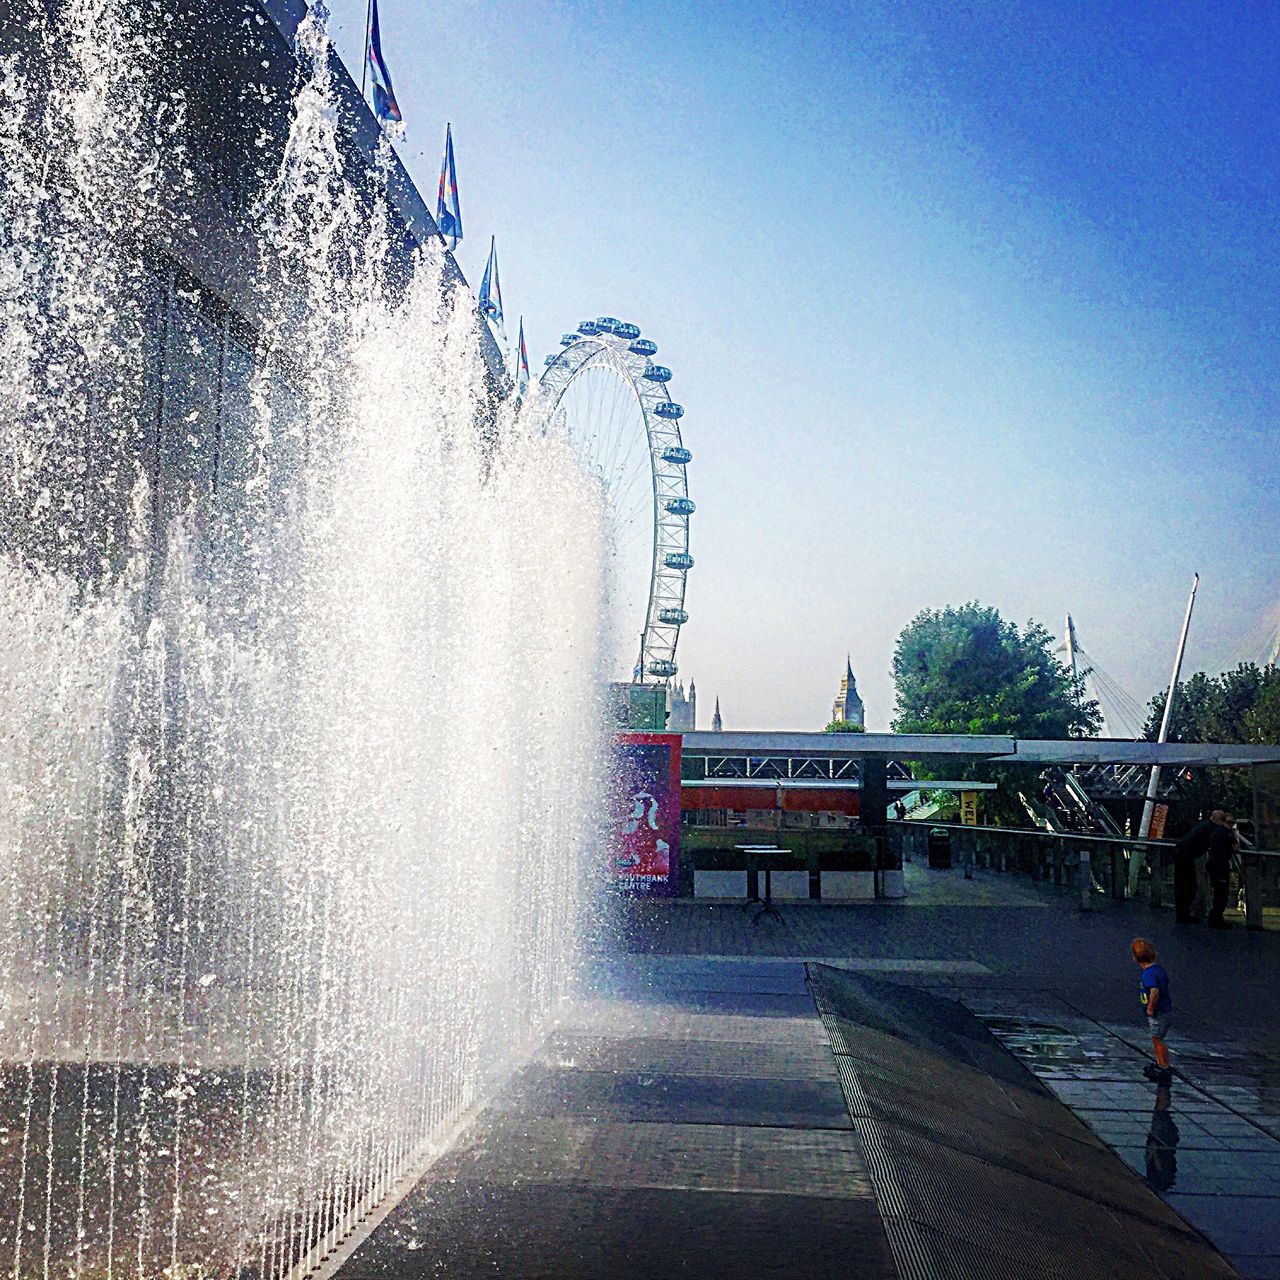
(826, 784)
(923, 746)
(898, 746)
(1110, 751)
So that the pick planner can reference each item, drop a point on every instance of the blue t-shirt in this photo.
(1155, 978)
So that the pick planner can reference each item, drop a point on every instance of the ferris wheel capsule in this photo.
(568, 339)
(607, 324)
(643, 347)
(677, 454)
(673, 617)
(588, 328)
(657, 373)
(663, 667)
(680, 506)
(628, 331)
(678, 560)
(669, 409)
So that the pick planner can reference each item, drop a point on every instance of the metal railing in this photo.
(1093, 867)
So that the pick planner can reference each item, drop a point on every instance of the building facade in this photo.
(682, 709)
(190, 258)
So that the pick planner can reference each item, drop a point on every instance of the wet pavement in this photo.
(676, 1132)
(689, 1118)
(762, 1116)
(1209, 1143)
(1058, 989)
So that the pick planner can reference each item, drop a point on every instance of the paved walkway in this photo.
(1210, 1143)
(1058, 988)
(1024, 937)
(691, 1133)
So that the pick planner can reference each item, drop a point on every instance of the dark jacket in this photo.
(1222, 845)
(1196, 842)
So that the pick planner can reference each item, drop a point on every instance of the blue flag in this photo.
(490, 289)
(448, 210)
(522, 362)
(385, 106)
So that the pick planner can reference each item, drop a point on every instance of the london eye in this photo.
(614, 402)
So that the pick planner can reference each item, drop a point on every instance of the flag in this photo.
(385, 106)
(448, 210)
(522, 362)
(490, 289)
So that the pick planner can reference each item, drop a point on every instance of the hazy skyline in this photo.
(962, 304)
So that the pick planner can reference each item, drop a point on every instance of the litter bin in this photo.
(939, 849)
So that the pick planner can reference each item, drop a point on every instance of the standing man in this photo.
(1192, 846)
(1223, 843)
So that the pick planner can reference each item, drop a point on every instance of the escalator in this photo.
(1100, 821)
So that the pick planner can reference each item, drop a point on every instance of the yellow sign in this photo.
(969, 808)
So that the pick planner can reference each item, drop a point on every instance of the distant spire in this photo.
(848, 706)
(717, 725)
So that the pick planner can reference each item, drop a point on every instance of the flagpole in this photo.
(1139, 856)
(1153, 785)
(364, 66)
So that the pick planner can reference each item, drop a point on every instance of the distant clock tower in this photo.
(848, 706)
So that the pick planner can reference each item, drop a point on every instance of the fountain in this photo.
(299, 660)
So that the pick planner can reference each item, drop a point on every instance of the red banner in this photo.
(791, 799)
(646, 844)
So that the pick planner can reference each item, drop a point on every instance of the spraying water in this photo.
(299, 661)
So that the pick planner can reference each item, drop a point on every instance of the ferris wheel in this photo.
(612, 399)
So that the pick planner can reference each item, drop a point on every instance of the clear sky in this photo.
(963, 301)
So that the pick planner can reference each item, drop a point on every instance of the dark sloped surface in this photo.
(979, 1171)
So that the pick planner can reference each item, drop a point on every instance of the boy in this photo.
(1153, 991)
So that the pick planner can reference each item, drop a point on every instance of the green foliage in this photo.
(948, 806)
(1242, 705)
(844, 726)
(967, 670)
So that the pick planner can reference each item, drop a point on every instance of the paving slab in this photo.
(687, 1127)
(1057, 987)
(693, 1115)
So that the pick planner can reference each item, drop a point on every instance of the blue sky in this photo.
(973, 301)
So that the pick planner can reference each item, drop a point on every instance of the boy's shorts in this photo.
(1159, 1025)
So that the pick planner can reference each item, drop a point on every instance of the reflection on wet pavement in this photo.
(1210, 1144)
(1162, 1143)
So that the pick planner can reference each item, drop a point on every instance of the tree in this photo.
(1242, 705)
(844, 726)
(967, 670)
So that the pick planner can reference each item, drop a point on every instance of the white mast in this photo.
(1071, 648)
(1153, 787)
